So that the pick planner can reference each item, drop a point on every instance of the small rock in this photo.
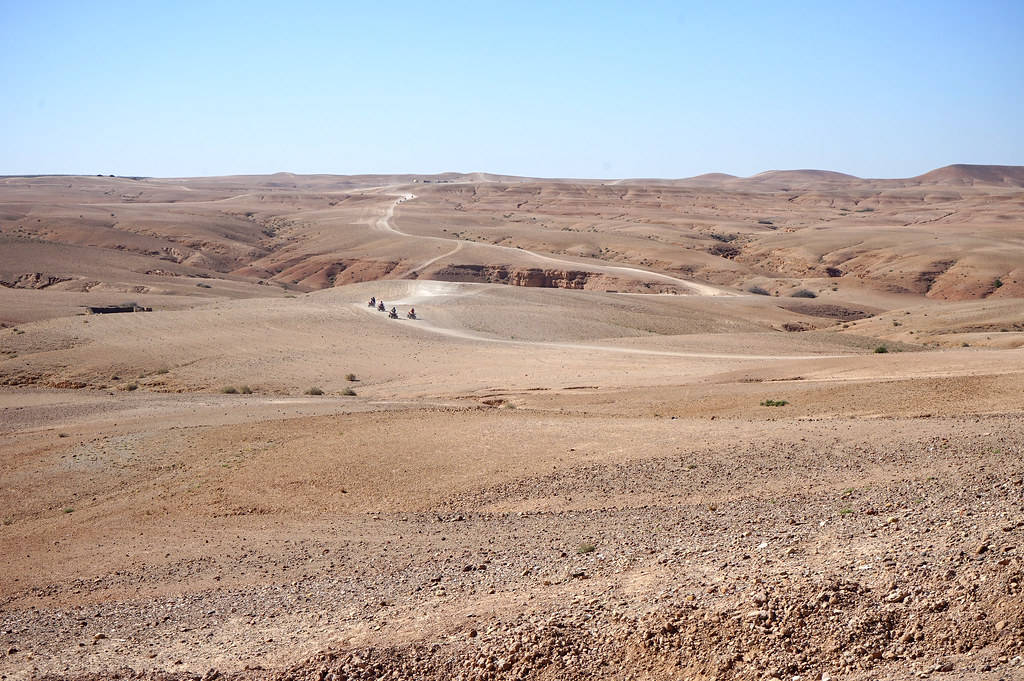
(1000, 625)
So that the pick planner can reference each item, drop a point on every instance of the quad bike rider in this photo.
(411, 314)
(380, 306)
(373, 302)
(393, 314)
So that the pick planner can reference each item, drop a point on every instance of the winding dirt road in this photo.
(384, 224)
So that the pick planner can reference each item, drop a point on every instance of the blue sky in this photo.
(571, 89)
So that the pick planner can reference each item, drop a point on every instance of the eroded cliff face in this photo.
(548, 278)
(34, 280)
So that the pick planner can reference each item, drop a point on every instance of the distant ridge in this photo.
(709, 178)
(803, 174)
(963, 173)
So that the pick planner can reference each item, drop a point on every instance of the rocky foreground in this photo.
(799, 551)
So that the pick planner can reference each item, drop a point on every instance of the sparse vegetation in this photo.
(758, 291)
(803, 293)
(586, 547)
(351, 377)
(314, 391)
(774, 403)
(348, 392)
(229, 390)
(997, 283)
(881, 350)
(132, 386)
(162, 370)
(69, 510)
(202, 285)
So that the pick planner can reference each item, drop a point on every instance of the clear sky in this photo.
(553, 89)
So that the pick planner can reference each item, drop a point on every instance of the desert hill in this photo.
(1012, 176)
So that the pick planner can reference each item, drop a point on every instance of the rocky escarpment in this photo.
(36, 280)
(549, 278)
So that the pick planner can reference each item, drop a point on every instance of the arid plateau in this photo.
(714, 428)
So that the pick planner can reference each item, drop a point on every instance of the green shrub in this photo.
(348, 392)
(351, 377)
(314, 391)
(758, 291)
(245, 390)
(132, 386)
(229, 390)
(586, 547)
(881, 350)
(774, 403)
(803, 293)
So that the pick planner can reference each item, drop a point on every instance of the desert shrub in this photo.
(314, 391)
(865, 210)
(758, 291)
(132, 386)
(998, 283)
(765, 222)
(586, 547)
(881, 349)
(229, 390)
(162, 370)
(348, 392)
(351, 377)
(774, 403)
(803, 293)
(202, 285)
(245, 390)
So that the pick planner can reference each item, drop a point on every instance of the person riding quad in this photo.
(394, 311)
(412, 313)
(380, 307)
(373, 301)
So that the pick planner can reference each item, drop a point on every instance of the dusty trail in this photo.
(427, 290)
(427, 263)
(383, 223)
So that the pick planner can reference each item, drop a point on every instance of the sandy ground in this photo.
(641, 471)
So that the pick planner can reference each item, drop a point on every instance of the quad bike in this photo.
(380, 308)
(393, 314)
(411, 314)
(372, 303)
